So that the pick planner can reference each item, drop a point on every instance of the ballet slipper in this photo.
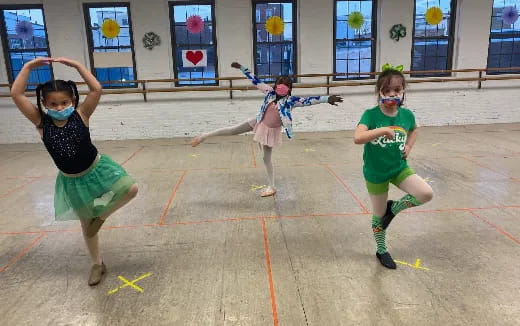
(269, 191)
(196, 141)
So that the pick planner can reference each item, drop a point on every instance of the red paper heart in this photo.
(194, 56)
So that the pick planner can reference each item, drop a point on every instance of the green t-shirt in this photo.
(383, 158)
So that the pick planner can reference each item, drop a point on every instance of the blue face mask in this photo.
(60, 115)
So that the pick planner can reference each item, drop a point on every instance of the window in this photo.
(111, 49)
(275, 55)
(354, 48)
(504, 40)
(433, 44)
(24, 38)
(195, 51)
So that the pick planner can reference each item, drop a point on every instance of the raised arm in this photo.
(263, 87)
(94, 87)
(29, 110)
(312, 100)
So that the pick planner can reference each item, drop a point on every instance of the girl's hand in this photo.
(388, 132)
(236, 65)
(67, 62)
(407, 150)
(38, 62)
(333, 99)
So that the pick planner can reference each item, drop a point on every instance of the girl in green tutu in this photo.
(89, 186)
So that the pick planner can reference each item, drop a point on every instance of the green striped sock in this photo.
(379, 235)
(406, 202)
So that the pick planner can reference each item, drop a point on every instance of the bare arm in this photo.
(410, 141)
(95, 90)
(25, 106)
(362, 135)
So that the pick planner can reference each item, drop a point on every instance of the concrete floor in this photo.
(218, 254)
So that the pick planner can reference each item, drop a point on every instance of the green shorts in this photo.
(381, 188)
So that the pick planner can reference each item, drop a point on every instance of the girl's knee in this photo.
(132, 192)
(426, 195)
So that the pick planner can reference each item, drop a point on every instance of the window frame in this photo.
(450, 38)
(90, 41)
(174, 44)
(500, 36)
(5, 41)
(294, 35)
(373, 40)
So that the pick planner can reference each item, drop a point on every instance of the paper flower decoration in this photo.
(356, 20)
(24, 30)
(110, 28)
(397, 31)
(509, 15)
(194, 24)
(434, 15)
(274, 25)
(150, 40)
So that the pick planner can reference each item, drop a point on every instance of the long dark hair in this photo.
(383, 80)
(56, 85)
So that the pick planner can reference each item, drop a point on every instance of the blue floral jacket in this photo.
(285, 104)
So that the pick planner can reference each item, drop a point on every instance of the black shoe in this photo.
(387, 218)
(386, 260)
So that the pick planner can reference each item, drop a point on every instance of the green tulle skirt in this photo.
(91, 193)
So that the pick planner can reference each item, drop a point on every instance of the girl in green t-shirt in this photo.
(389, 133)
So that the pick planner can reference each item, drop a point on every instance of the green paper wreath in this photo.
(397, 31)
(356, 20)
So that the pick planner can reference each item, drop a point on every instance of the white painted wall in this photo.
(185, 114)
(390, 13)
(472, 37)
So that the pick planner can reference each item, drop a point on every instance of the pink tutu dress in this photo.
(268, 131)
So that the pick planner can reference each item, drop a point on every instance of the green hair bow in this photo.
(388, 66)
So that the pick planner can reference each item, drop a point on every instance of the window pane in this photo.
(183, 36)
(182, 12)
(341, 66)
(99, 15)
(354, 47)
(263, 69)
(422, 28)
(115, 74)
(430, 55)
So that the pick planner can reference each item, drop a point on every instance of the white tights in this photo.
(240, 129)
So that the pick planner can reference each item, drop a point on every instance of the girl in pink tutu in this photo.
(274, 115)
